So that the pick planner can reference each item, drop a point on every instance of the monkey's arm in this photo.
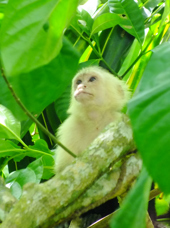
(71, 134)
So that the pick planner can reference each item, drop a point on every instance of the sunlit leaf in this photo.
(9, 126)
(162, 205)
(150, 114)
(29, 41)
(131, 17)
(85, 22)
(105, 21)
(42, 86)
(166, 13)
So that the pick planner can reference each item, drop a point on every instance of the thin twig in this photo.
(95, 51)
(153, 193)
(32, 117)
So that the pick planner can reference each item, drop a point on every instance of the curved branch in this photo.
(78, 186)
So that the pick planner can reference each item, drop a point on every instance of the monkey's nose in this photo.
(81, 86)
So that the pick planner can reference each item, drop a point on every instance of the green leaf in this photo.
(132, 213)
(131, 17)
(74, 23)
(62, 104)
(42, 86)
(165, 13)
(162, 205)
(85, 21)
(16, 190)
(130, 58)
(40, 148)
(37, 167)
(3, 4)
(151, 4)
(32, 174)
(18, 179)
(119, 42)
(8, 100)
(52, 117)
(105, 21)
(8, 148)
(150, 114)
(9, 126)
(29, 41)
(48, 165)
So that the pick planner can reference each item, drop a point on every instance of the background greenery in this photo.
(44, 43)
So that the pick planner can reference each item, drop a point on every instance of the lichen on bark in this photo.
(78, 187)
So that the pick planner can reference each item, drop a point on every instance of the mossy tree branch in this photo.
(78, 187)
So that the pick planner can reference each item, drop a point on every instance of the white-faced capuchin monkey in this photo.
(96, 100)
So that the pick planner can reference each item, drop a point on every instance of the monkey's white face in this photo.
(88, 88)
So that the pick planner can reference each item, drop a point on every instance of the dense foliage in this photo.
(44, 43)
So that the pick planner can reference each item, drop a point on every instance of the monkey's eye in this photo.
(78, 81)
(92, 79)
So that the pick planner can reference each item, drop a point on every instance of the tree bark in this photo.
(105, 170)
(6, 200)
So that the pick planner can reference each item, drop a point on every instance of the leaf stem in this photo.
(100, 56)
(32, 117)
(95, 51)
(144, 52)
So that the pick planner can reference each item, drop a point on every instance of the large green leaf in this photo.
(133, 210)
(150, 114)
(9, 126)
(8, 100)
(31, 33)
(116, 43)
(131, 17)
(40, 87)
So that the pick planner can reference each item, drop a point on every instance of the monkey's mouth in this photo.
(80, 92)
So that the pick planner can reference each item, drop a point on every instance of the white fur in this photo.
(93, 106)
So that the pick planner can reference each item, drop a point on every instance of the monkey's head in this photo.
(94, 87)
